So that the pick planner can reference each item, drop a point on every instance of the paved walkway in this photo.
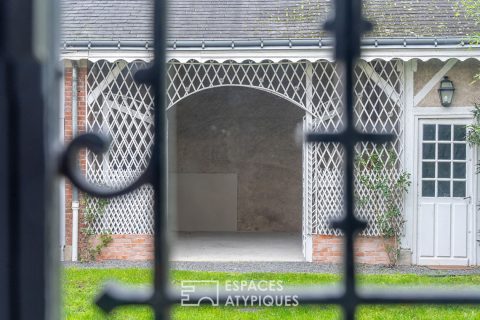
(305, 267)
(237, 246)
(257, 252)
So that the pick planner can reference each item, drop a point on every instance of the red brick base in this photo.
(326, 249)
(368, 250)
(133, 247)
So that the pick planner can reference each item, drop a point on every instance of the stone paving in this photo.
(297, 267)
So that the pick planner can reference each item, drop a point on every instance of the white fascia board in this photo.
(311, 54)
(315, 54)
(461, 53)
(110, 55)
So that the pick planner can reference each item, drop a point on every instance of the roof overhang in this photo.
(271, 50)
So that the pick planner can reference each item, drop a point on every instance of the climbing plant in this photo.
(384, 196)
(473, 130)
(94, 209)
(471, 10)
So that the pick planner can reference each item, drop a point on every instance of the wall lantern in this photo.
(446, 91)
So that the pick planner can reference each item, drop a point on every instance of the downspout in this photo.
(62, 181)
(75, 204)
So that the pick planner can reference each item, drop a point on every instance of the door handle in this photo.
(469, 197)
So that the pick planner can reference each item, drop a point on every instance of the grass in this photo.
(80, 286)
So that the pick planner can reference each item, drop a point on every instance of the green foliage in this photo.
(385, 196)
(92, 252)
(473, 130)
(92, 213)
(471, 9)
(82, 285)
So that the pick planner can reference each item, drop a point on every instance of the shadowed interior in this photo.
(237, 147)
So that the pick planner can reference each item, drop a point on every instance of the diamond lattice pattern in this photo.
(121, 108)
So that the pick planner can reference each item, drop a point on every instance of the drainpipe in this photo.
(62, 181)
(75, 204)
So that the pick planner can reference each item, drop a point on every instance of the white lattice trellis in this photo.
(284, 79)
(379, 108)
(120, 108)
(117, 105)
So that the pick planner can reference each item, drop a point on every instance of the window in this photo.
(444, 160)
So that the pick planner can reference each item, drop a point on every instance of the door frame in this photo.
(440, 113)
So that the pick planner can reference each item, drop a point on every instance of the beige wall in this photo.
(461, 74)
(206, 201)
(251, 134)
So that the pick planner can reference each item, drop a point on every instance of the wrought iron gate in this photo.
(28, 161)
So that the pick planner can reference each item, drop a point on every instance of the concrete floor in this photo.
(237, 246)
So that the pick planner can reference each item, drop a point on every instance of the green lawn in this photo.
(80, 285)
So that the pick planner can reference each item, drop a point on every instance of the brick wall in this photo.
(368, 250)
(326, 249)
(123, 247)
(131, 247)
(81, 126)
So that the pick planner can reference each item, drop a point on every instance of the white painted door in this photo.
(444, 193)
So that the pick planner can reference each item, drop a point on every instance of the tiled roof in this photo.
(253, 19)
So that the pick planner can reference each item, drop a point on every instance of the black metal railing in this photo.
(29, 82)
(27, 277)
(348, 25)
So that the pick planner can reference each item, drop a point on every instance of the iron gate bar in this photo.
(27, 126)
(348, 26)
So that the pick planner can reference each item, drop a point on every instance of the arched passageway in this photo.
(239, 175)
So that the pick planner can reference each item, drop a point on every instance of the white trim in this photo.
(475, 198)
(408, 155)
(75, 207)
(312, 54)
(433, 81)
(111, 76)
(134, 114)
(267, 90)
(444, 262)
(443, 112)
(309, 248)
(307, 212)
(391, 93)
(109, 55)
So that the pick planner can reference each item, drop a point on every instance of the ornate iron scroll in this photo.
(348, 26)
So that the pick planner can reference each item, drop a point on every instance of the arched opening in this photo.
(239, 176)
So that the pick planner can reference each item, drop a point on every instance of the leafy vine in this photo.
(93, 213)
(473, 130)
(384, 196)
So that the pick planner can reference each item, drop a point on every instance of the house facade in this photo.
(242, 79)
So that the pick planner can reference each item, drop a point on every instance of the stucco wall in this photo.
(461, 74)
(251, 134)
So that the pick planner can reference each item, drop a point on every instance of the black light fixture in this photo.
(446, 91)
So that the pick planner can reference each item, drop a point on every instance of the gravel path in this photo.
(306, 267)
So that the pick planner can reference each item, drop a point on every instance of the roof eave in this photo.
(173, 44)
(273, 50)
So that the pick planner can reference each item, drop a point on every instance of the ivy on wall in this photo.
(473, 130)
(385, 195)
(94, 209)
